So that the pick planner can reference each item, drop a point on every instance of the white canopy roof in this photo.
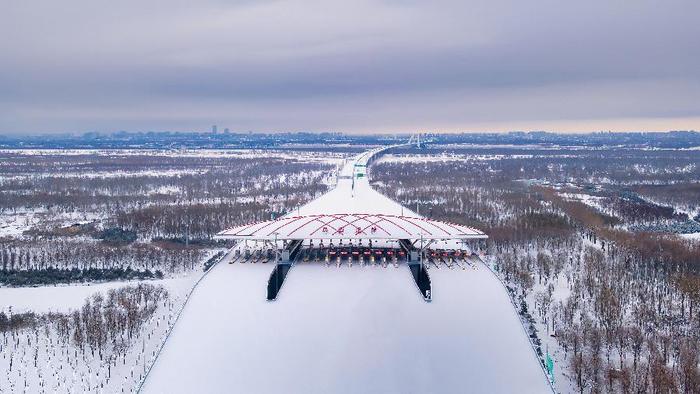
(351, 226)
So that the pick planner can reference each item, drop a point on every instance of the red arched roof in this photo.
(351, 226)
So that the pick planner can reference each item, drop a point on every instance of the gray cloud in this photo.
(351, 66)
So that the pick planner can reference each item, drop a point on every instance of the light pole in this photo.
(420, 256)
(277, 251)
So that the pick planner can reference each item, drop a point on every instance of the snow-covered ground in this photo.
(310, 156)
(347, 329)
(112, 174)
(447, 157)
(14, 223)
(64, 298)
(592, 201)
(350, 330)
(70, 369)
(40, 361)
(353, 196)
(421, 159)
(692, 236)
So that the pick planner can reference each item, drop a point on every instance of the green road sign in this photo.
(549, 362)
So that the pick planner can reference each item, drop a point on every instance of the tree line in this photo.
(619, 309)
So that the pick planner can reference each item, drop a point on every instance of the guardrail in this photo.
(517, 315)
(177, 317)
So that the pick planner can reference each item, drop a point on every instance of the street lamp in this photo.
(420, 256)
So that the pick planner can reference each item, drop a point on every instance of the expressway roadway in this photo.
(347, 329)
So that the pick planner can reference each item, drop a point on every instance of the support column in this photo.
(420, 274)
(279, 273)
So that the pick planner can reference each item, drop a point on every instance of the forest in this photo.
(574, 235)
(72, 216)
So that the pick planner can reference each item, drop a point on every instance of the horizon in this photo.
(79, 134)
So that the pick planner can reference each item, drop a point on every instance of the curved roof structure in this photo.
(351, 226)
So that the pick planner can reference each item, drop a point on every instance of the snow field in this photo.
(63, 298)
(38, 361)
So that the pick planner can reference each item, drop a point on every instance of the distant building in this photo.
(226, 130)
(213, 129)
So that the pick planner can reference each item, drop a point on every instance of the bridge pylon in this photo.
(415, 139)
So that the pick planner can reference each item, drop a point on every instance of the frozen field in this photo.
(64, 298)
(348, 330)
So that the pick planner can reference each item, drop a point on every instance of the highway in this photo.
(348, 329)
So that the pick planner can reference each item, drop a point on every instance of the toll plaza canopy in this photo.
(352, 210)
(351, 226)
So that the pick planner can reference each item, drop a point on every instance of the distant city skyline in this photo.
(367, 66)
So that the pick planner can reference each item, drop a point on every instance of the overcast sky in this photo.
(352, 66)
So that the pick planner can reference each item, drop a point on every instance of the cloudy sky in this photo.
(353, 66)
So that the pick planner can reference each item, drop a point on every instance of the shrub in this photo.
(117, 235)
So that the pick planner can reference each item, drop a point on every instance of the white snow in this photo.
(64, 298)
(347, 330)
(354, 195)
(13, 223)
(692, 236)
(412, 158)
(592, 201)
(322, 157)
(112, 174)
